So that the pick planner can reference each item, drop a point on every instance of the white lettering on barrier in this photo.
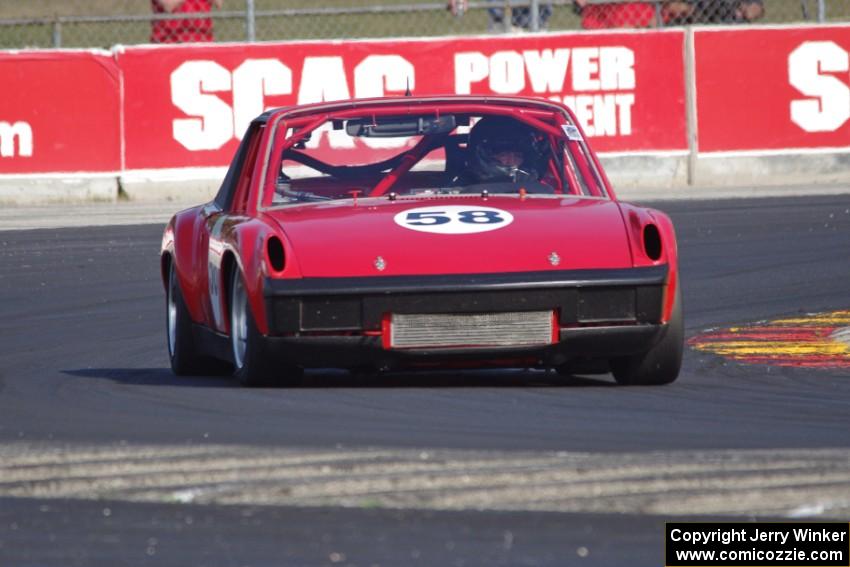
(828, 107)
(547, 69)
(617, 68)
(470, 67)
(585, 66)
(17, 131)
(507, 72)
(193, 85)
(212, 123)
(378, 75)
(593, 68)
(602, 115)
(254, 80)
(598, 70)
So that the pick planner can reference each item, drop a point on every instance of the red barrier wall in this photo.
(59, 111)
(757, 89)
(770, 89)
(189, 106)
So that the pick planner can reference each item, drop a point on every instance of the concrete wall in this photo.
(633, 176)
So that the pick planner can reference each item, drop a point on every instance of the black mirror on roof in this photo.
(394, 127)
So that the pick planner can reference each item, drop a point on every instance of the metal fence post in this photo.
(57, 32)
(691, 106)
(535, 15)
(250, 21)
(821, 11)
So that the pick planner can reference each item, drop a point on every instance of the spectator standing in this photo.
(683, 12)
(520, 17)
(606, 15)
(182, 30)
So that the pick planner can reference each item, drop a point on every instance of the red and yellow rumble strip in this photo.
(819, 340)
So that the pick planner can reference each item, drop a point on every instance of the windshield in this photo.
(453, 154)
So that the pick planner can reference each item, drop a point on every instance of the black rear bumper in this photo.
(616, 296)
(320, 322)
(580, 344)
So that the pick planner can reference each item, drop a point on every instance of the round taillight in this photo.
(276, 256)
(652, 242)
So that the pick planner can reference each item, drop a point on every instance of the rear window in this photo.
(450, 154)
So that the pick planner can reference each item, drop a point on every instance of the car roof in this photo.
(408, 104)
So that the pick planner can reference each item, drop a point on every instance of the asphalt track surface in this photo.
(84, 386)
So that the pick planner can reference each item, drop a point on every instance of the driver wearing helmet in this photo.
(503, 149)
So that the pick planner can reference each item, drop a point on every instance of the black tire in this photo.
(254, 364)
(186, 359)
(661, 364)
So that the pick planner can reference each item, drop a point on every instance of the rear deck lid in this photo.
(456, 235)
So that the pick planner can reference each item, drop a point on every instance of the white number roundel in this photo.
(454, 219)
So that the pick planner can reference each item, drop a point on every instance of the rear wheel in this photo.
(661, 364)
(186, 359)
(254, 364)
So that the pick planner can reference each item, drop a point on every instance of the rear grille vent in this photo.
(471, 330)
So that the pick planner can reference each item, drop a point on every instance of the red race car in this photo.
(421, 232)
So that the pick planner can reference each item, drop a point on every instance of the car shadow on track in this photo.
(449, 379)
(320, 379)
(152, 377)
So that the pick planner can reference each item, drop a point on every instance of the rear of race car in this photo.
(489, 236)
(544, 283)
